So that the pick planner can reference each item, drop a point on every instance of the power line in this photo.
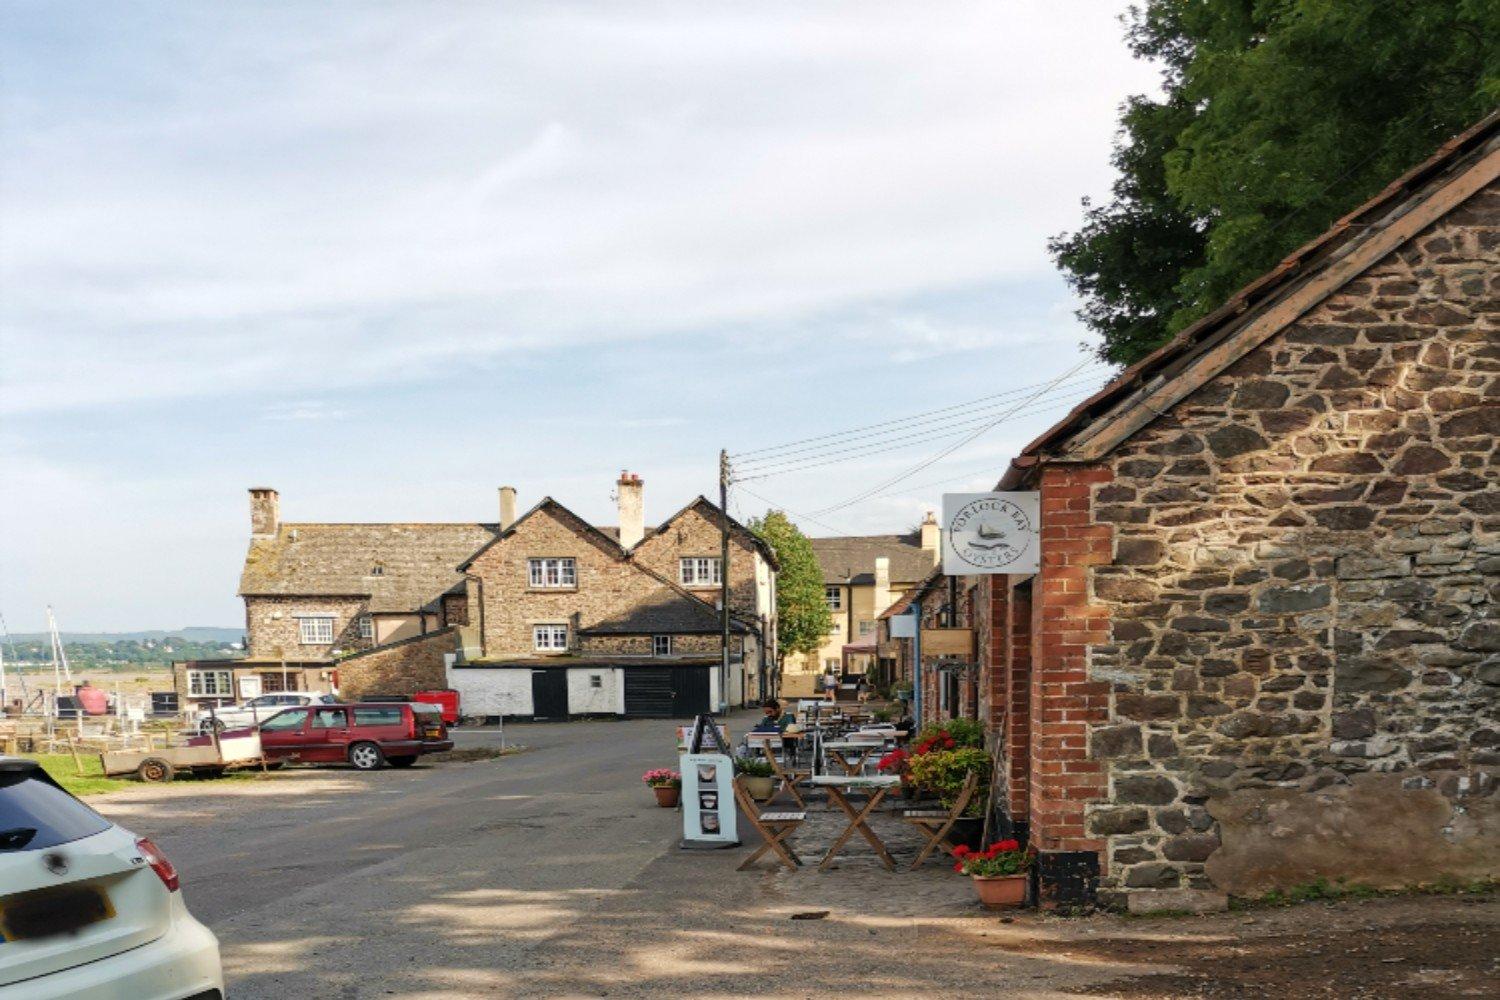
(950, 424)
(990, 400)
(788, 510)
(821, 460)
(951, 448)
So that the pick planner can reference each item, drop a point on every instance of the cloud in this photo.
(314, 201)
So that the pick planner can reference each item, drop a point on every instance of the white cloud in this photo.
(361, 201)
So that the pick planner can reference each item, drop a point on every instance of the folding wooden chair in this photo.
(936, 823)
(773, 827)
(771, 746)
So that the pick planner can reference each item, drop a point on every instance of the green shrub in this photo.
(943, 772)
(965, 732)
(752, 767)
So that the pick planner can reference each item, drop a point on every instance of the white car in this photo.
(89, 910)
(258, 710)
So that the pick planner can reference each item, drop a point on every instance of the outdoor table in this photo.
(841, 750)
(877, 786)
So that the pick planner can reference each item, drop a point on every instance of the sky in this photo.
(386, 257)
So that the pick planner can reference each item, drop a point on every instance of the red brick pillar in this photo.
(1016, 654)
(1064, 701)
(991, 598)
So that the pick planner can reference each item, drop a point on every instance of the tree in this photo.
(1278, 116)
(802, 617)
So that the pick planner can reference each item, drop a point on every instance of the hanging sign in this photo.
(991, 533)
(708, 810)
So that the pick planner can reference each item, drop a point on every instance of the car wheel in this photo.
(366, 756)
(155, 769)
(402, 761)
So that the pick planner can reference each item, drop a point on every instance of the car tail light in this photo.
(159, 864)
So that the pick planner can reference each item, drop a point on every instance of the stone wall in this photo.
(607, 583)
(404, 667)
(455, 609)
(272, 632)
(696, 534)
(1305, 577)
(640, 645)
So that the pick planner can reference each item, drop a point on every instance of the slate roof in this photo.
(418, 562)
(851, 558)
(665, 611)
(1455, 156)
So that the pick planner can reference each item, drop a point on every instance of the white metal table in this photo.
(838, 785)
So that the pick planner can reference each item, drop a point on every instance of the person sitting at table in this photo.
(771, 721)
(903, 720)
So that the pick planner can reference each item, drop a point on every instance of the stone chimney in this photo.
(631, 491)
(507, 506)
(265, 511)
(932, 538)
(882, 596)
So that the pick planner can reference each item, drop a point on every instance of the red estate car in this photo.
(366, 734)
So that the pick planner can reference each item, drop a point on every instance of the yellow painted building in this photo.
(862, 576)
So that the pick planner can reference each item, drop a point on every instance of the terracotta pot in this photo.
(760, 789)
(1000, 892)
(666, 795)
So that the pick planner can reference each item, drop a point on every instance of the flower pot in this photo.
(666, 795)
(1000, 892)
(760, 789)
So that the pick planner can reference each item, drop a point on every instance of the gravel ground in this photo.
(551, 873)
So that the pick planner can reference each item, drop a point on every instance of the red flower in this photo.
(1006, 845)
(959, 867)
(961, 850)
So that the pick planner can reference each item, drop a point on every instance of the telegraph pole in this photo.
(724, 581)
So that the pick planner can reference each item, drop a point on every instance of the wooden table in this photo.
(839, 750)
(877, 786)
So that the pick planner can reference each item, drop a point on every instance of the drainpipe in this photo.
(916, 663)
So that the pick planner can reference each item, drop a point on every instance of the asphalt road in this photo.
(337, 883)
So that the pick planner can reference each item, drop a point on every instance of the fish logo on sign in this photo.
(990, 533)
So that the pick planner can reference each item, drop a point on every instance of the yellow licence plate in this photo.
(49, 912)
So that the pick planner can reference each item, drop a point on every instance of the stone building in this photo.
(1262, 646)
(862, 576)
(391, 608)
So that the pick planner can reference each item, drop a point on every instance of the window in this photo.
(285, 722)
(832, 665)
(316, 631)
(366, 627)
(661, 645)
(378, 569)
(378, 716)
(835, 598)
(550, 638)
(210, 684)
(553, 573)
(699, 571)
(35, 814)
(330, 718)
(866, 627)
(595, 681)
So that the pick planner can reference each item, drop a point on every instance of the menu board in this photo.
(709, 817)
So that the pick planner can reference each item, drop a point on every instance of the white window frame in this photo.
(546, 638)
(834, 598)
(222, 681)
(699, 571)
(366, 627)
(552, 573)
(316, 622)
(661, 645)
(866, 626)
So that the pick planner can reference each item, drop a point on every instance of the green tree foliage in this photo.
(1277, 117)
(802, 617)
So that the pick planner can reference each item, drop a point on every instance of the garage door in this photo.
(666, 692)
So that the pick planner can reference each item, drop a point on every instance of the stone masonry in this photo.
(1300, 579)
(403, 667)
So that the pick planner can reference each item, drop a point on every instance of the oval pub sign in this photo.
(991, 533)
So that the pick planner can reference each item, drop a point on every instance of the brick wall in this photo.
(1064, 699)
(403, 667)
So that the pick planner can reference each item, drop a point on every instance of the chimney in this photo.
(882, 596)
(932, 537)
(507, 506)
(630, 490)
(265, 511)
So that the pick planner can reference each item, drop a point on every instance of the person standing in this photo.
(830, 686)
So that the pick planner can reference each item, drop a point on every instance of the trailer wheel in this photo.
(155, 769)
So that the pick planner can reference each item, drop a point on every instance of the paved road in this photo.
(340, 883)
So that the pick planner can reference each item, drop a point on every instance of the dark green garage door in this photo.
(666, 692)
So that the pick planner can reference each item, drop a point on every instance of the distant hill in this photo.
(192, 633)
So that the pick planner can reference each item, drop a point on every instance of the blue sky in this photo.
(386, 257)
